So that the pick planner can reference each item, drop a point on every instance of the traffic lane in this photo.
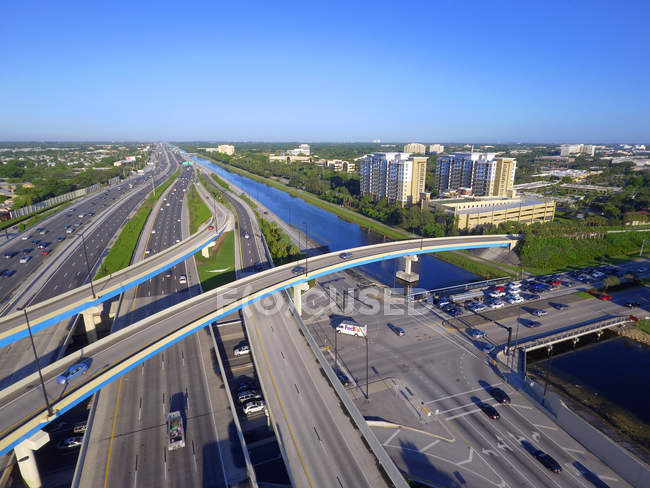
(71, 273)
(262, 280)
(359, 254)
(453, 404)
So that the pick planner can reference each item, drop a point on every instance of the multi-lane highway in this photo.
(318, 441)
(69, 270)
(118, 353)
(128, 443)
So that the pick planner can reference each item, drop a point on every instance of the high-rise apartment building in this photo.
(436, 148)
(577, 149)
(397, 177)
(481, 174)
(415, 148)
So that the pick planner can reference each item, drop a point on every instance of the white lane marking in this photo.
(428, 446)
(539, 426)
(392, 436)
(462, 393)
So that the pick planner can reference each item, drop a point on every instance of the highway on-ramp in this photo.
(24, 411)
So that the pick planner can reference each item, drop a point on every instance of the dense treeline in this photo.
(280, 246)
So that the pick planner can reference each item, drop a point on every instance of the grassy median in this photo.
(480, 268)
(119, 257)
(199, 211)
(219, 268)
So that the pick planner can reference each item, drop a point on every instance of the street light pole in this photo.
(549, 352)
(38, 365)
(640, 252)
(336, 350)
(83, 243)
(306, 240)
(365, 335)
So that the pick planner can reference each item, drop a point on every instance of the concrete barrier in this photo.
(624, 463)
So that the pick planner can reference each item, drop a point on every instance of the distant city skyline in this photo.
(476, 72)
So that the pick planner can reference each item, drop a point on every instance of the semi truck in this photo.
(175, 432)
(352, 329)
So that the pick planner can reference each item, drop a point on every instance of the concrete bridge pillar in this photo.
(205, 252)
(297, 296)
(92, 317)
(25, 457)
(407, 275)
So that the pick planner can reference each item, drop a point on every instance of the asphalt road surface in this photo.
(433, 379)
(319, 441)
(131, 442)
(17, 360)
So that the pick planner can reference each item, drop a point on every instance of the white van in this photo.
(352, 329)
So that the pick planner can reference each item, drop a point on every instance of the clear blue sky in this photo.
(575, 71)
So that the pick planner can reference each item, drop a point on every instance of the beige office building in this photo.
(436, 148)
(226, 149)
(415, 148)
(397, 177)
(472, 212)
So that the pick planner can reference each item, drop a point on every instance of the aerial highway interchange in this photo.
(163, 365)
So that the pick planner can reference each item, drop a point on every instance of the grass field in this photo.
(119, 257)
(199, 211)
(219, 268)
(481, 268)
(583, 294)
(644, 325)
(344, 213)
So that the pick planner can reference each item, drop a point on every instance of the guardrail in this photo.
(577, 332)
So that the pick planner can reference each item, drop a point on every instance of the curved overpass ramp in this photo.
(22, 407)
(49, 312)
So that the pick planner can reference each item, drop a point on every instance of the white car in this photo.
(25, 259)
(242, 350)
(247, 236)
(26, 237)
(253, 407)
(496, 304)
(182, 279)
(514, 299)
(497, 294)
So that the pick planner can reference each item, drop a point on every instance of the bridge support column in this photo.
(407, 275)
(297, 296)
(25, 457)
(91, 317)
(205, 252)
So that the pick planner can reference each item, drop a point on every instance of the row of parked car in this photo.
(248, 393)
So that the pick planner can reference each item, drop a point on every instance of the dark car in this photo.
(258, 267)
(632, 304)
(454, 312)
(8, 273)
(489, 410)
(531, 323)
(398, 330)
(548, 461)
(343, 378)
(298, 270)
(500, 396)
(246, 385)
(10, 254)
(345, 255)
(60, 238)
(560, 306)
